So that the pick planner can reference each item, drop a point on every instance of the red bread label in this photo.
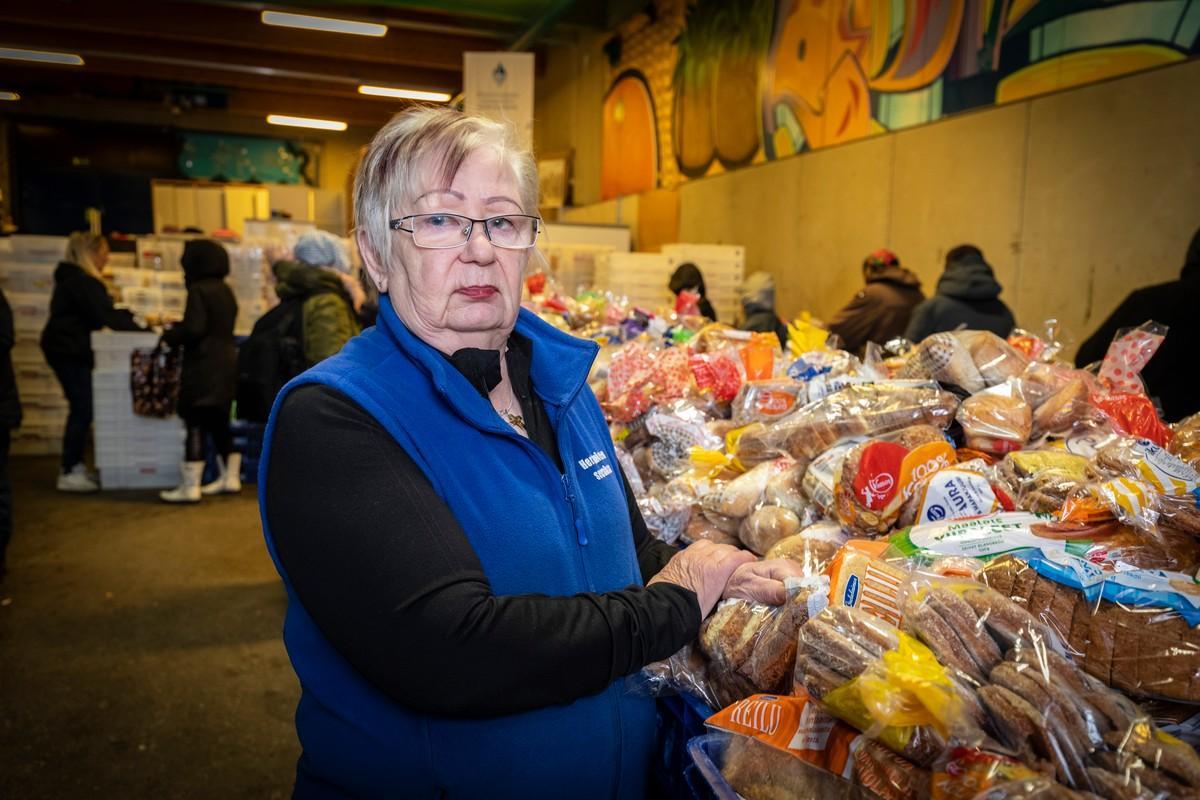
(878, 477)
(774, 403)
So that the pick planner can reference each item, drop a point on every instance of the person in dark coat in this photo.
(758, 306)
(79, 305)
(209, 375)
(882, 309)
(10, 419)
(968, 296)
(1171, 375)
(688, 276)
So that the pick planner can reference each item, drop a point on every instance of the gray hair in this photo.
(82, 248)
(437, 139)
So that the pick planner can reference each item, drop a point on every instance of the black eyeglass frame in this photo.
(398, 225)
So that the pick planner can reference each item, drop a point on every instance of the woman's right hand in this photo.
(704, 568)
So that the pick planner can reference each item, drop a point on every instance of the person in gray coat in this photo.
(968, 296)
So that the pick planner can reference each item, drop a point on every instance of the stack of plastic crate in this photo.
(724, 270)
(27, 266)
(132, 452)
(640, 277)
(574, 265)
(252, 283)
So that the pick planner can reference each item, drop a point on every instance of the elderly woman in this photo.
(469, 579)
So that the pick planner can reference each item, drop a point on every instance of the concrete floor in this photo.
(140, 651)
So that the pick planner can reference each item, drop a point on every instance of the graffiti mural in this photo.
(755, 80)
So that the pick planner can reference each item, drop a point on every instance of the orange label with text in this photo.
(795, 725)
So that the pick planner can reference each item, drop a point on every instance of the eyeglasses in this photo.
(443, 231)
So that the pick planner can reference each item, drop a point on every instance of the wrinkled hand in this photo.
(704, 568)
(762, 581)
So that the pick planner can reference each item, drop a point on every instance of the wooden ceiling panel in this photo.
(163, 24)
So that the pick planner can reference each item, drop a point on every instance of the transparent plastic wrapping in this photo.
(766, 527)
(996, 360)
(739, 497)
(753, 646)
(1045, 710)
(737, 766)
(959, 492)
(1070, 405)
(860, 410)
(813, 547)
(677, 428)
(881, 474)
(1144, 485)
(1185, 444)
(1041, 480)
(766, 400)
(642, 374)
(1118, 627)
(1103, 543)
(944, 358)
(666, 516)
(997, 420)
(718, 374)
(882, 682)
(820, 479)
(817, 747)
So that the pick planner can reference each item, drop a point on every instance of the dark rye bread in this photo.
(1147, 652)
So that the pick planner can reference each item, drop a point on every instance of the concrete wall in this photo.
(1075, 198)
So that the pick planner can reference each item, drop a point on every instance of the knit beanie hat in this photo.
(322, 249)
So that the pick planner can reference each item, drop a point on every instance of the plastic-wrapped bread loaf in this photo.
(858, 410)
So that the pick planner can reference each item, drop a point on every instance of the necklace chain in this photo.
(516, 420)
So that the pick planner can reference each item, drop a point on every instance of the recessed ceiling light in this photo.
(404, 94)
(328, 24)
(43, 56)
(306, 122)
(9, 96)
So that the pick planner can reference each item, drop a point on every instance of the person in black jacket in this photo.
(1171, 375)
(688, 276)
(79, 305)
(209, 375)
(968, 295)
(758, 306)
(10, 418)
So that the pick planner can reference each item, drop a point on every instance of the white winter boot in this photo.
(188, 490)
(229, 480)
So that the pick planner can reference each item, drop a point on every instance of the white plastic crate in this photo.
(26, 278)
(138, 451)
(26, 247)
(139, 475)
(122, 260)
(30, 311)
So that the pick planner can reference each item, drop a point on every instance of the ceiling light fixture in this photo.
(404, 94)
(42, 56)
(306, 122)
(327, 24)
(9, 96)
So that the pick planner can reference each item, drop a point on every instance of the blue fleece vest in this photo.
(534, 529)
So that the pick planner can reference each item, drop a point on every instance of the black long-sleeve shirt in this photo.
(380, 563)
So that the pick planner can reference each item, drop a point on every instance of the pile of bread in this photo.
(1046, 672)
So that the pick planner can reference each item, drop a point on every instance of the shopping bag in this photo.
(154, 381)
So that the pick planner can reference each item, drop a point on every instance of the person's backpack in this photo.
(271, 356)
